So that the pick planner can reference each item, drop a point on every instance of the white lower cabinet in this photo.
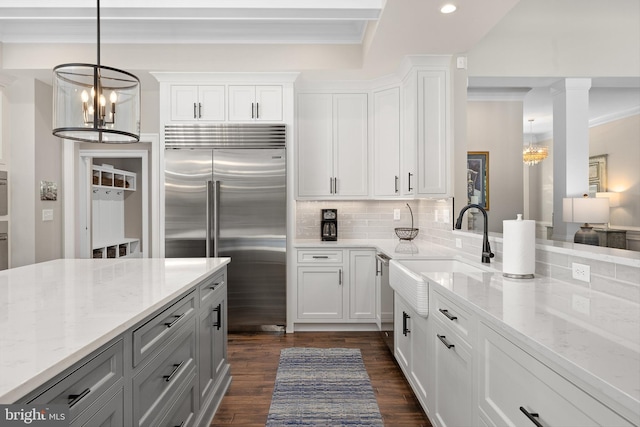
(516, 389)
(465, 372)
(412, 349)
(336, 286)
(452, 378)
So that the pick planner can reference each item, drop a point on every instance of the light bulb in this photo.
(448, 8)
(93, 93)
(85, 96)
(113, 97)
(103, 101)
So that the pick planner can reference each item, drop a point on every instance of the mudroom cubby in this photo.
(110, 187)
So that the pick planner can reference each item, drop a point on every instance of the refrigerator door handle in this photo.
(209, 212)
(216, 217)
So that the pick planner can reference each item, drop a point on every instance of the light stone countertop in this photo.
(598, 346)
(53, 314)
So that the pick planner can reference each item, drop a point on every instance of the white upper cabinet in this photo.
(255, 103)
(386, 143)
(195, 103)
(332, 145)
(433, 138)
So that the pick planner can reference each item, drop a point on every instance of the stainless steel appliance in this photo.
(384, 311)
(225, 195)
(329, 225)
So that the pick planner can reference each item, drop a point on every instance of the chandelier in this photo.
(534, 153)
(96, 103)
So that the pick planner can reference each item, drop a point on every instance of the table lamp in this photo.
(586, 210)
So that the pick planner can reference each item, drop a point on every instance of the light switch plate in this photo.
(47, 214)
(396, 214)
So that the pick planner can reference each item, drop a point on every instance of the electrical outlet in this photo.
(47, 214)
(458, 243)
(581, 304)
(581, 272)
(396, 214)
(445, 214)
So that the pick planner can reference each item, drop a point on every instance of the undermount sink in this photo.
(407, 277)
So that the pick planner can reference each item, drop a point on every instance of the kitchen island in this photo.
(124, 322)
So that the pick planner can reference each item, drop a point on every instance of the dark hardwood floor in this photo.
(254, 362)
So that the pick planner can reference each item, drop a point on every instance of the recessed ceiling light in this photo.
(448, 8)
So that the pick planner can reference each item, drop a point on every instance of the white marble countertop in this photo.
(600, 345)
(53, 314)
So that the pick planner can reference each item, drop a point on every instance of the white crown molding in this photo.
(220, 78)
(618, 115)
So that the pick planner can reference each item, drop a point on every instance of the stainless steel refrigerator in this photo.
(225, 195)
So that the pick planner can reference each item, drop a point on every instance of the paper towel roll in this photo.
(519, 248)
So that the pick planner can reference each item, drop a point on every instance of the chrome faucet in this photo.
(486, 248)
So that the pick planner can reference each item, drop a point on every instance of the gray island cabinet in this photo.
(145, 341)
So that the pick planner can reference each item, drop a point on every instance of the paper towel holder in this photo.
(518, 276)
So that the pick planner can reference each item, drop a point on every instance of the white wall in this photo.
(496, 127)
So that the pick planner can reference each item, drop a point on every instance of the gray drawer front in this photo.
(158, 330)
(111, 414)
(155, 386)
(208, 288)
(183, 412)
(82, 387)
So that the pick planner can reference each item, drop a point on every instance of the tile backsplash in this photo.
(373, 219)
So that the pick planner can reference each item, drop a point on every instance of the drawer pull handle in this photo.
(446, 313)
(176, 320)
(320, 257)
(218, 311)
(443, 338)
(176, 368)
(215, 285)
(75, 398)
(532, 416)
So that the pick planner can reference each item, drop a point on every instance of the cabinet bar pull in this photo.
(215, 285)
(532, 416)
(252, 115)
(199, 110)
(75, 398)
(335, 185)
(320, 257)
(176, 320)
(340, 277)
(181, 424)
(410, 175)
(176, 368)
(194, 111)
(446, 313)
(330, 185)
(218, 311)
(396, 184)
(405, 328)
(257, 110)
(444, 341)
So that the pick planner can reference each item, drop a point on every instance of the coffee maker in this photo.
(329, 225)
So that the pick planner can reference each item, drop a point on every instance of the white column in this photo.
(571, 148)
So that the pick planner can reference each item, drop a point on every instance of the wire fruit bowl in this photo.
(407, 233)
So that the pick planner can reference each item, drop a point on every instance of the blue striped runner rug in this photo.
(323, 387)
